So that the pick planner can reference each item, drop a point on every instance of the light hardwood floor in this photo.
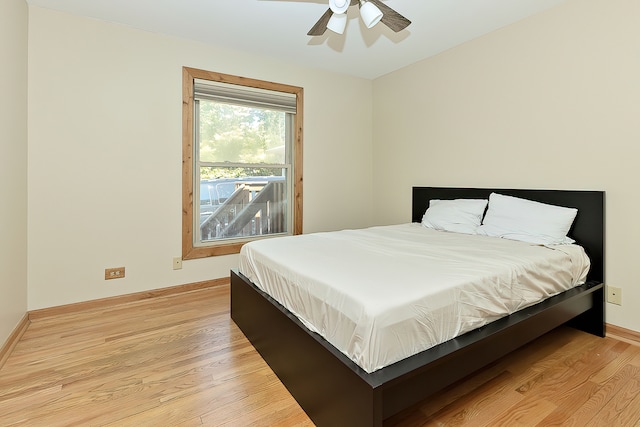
(179, 360)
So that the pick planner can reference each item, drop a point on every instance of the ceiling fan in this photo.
(371, 12)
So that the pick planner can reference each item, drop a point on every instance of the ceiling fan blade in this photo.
(391, 18)
(321, 26)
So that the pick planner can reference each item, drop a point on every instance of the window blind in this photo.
(244, 95)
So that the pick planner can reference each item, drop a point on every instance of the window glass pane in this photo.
(238, 134)
(242, 202)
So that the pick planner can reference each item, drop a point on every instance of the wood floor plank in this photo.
(526, 413)
(521, 360)
(179, 360)
(562, 379)
(556, 368)
(569, 405)
(615, 411)
(481, 405)
(599, 400)
(625, 357)
(631, 414)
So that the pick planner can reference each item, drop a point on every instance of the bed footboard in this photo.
(323, 381)
(334, 391)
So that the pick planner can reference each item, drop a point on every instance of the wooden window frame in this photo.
(189, 250)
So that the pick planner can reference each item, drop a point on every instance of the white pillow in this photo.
(459, 215)
(521, 219)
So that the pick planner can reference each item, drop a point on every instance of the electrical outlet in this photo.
(614, 295)
(177, 263)
(113, 273)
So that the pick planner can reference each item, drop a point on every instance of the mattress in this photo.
(382, 294)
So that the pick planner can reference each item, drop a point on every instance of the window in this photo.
(242, 162)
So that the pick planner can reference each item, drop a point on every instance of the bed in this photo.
(334, 390)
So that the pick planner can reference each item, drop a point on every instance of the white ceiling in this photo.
(278, 28)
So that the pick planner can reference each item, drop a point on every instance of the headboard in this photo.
(587, 229)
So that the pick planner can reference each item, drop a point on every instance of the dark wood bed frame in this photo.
(334, 391)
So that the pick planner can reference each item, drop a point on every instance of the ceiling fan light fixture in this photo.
(335, 17)
(370, 13)
(339, 6)
(337, 23)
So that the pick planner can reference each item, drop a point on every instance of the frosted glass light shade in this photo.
(337, 22)
(370, 14)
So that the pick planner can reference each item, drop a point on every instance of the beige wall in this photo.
(13, 164)
(550, 102)
(105, 154)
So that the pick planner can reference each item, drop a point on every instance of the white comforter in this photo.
(382, 294)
